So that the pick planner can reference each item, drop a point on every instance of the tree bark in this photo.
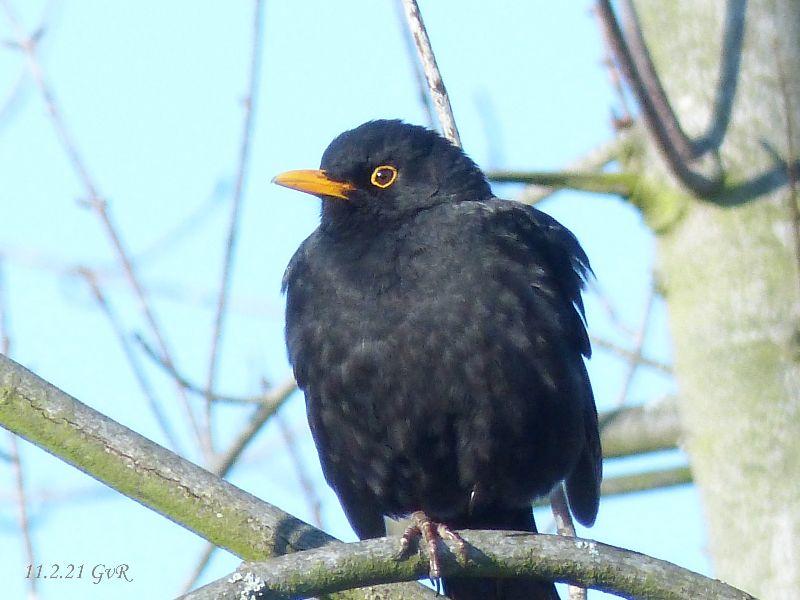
(728, 269)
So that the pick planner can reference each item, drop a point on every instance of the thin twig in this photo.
(199, 568)
(636, 356)
(194, 388)
(309, 492)
(22, 510)
(93, 197)
(492, 130)
(176, 233)
(274, 399)
(621, 184)
(630, 355)
(11, 99)
(608, 308)
(272, 402)
(595, 159)
(626, 119)
(667, 135)
(13, 454)
(233, 229)
(183, 293)
(5, 338)
(133, 360)
(441, 101)
(565, 526)
(419, 76)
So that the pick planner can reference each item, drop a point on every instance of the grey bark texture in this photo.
(728, 269)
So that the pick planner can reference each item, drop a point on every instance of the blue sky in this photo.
(151, 92)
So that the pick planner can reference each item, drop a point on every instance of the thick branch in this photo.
(490, 554)
(153, 476)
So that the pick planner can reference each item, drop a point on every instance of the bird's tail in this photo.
(465, 588)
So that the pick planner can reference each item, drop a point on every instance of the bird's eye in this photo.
(383, 176)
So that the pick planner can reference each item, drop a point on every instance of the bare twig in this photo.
(656, 110)
(233, 229)
(271, 403)
(621, 184)
(630, 355)
(20, 495)
(492, 129)
(199, 568)
(132, 358)
(636, 357)
(193, 387)
(11, 99)
(93, 197)
(272, 400)
(441, 101)
(625, 119)
(5, 338)
(419, 76)
(177, 232)
(309, 493)
(565, 526)
(22, 510)
(595, 159)
(608, 307)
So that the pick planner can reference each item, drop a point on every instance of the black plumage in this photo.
(438, 335)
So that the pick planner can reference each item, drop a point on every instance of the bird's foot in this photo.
(429, 532)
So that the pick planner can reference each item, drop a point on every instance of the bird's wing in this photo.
(569, 269)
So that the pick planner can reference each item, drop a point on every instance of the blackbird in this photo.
(439, 336)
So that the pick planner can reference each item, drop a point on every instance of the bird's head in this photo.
(387, 170)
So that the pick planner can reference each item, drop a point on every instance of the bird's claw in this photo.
(429, 532)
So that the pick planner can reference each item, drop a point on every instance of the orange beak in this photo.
(314, 182)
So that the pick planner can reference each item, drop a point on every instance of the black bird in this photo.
(439, 337)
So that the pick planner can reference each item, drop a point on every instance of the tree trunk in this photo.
(728, 268)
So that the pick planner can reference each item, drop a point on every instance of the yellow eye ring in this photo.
(383, 176)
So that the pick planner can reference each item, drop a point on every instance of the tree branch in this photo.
(580, 562)
(233, 227)
(639, 429)
(595, 159)
(441, 101)
(153, 476)
(621, 184)
(631, 355)
(95, 200)
(658, 116)
(645, 481)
